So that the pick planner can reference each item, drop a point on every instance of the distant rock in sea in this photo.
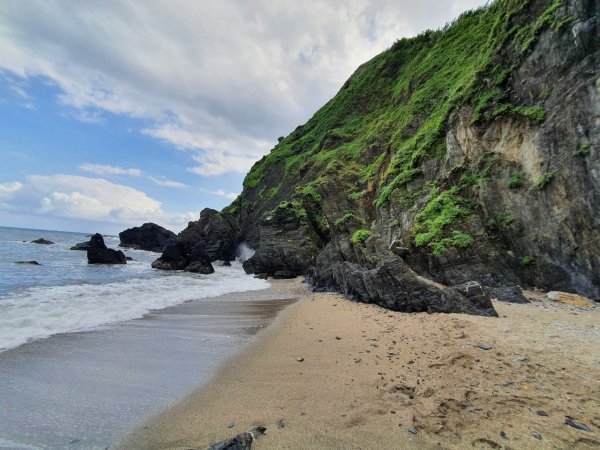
(149, 236)
(32, 263)
(81, 246)
(98, 253)
(42, 241)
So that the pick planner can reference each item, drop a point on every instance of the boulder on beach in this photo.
(42, 241)
(149, 236)
(99, 253)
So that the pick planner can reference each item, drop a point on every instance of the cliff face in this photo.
(469, 154)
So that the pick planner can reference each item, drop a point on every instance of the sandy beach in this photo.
(331, 373)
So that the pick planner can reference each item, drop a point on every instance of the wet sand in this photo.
(374, 379)
(85, 390)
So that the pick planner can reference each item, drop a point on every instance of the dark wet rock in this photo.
(242, 441)
(542, 413)
(226, 264)
(33, 263)
(175, 257)
(508, 294)
(81, 246)
(98, 253)
(262, 276)
(200, 266)
(42, 241)
(575, 424)
(149, 236)
(129, 258)
(537, 435)
(284, 274)
(214, 234)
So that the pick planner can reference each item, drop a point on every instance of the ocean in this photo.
(88, 352)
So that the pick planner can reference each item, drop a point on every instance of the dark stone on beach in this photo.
(508, 294)
(175, 257)
(98, 253)
(542, 413)
(578, 425)
(230, 424)
(281, 424)
(242, 441)
(33, 263)
(284, 275)
(149, 236)
(42, 241)
(226, 264)
(261, 276)
(412, 430)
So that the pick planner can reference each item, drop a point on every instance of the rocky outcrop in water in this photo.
(149, 236)
(99, 253)
(42, 241)
(455, 165)
(179, 257)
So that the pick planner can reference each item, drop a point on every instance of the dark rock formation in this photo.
(81, 246)
(175, 257)
(33, 263)
(98, 253)
(508, 294)
(179, 257)
(214, 233)
(149, 236)
(42, 241)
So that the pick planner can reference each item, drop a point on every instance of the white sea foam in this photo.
(38, 312)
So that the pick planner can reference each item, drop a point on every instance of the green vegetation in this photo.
(544, 180)
(506, 220)
(528, 261)
(361, 236)
(516, 180)
(346, 217)
(442, 210)
(583, 150)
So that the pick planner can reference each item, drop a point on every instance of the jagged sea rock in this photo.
(81, 246)
(42, 241)
(214, 233)
(98, 253)
(508, 294)
(149, 236)
(175, 257)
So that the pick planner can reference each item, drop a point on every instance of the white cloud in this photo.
(7, 189)
(167, 183)
(218, 79)
(101, 169)
(89, 199)
(221, 193)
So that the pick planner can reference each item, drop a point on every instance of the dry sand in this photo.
(375, 379)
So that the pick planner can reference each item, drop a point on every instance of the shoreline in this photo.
(107, 381)
(373, 378)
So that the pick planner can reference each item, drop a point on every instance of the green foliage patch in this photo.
(360, 236)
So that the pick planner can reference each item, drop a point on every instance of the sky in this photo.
(117, 113)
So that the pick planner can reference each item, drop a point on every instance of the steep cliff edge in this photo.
(468, 154)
